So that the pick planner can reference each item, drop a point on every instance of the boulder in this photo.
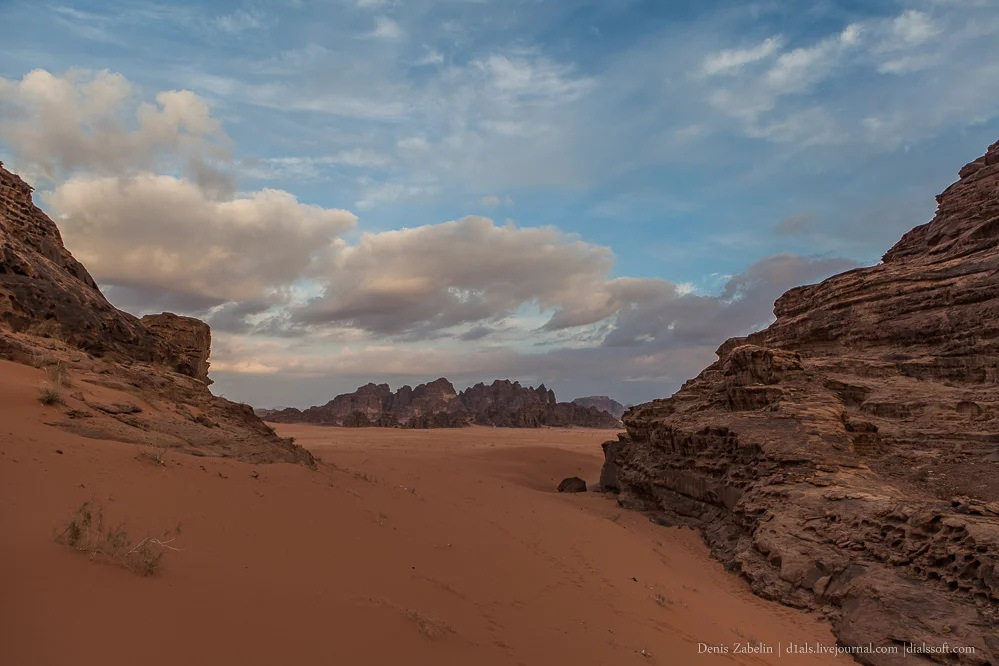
(572, 484)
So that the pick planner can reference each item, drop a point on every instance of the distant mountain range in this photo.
(436, 404)
(603, 403)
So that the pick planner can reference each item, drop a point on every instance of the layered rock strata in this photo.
(846, 458)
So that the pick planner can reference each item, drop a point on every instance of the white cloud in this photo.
(732, 61)
(314, 168)
(431, 57)
(912, 28)
(386, 28)
(185, 238)
(239, 21)
(55, 125)
(493, 200)
(527, 78)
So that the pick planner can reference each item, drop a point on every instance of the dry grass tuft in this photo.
(88, 532)
(154, 455)
(49, 394)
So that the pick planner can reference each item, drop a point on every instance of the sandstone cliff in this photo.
(847, 458)
(436, 405)
(52, 314)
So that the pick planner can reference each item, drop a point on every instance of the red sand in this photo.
(416, 547)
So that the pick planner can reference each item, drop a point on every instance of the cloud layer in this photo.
(724, 152)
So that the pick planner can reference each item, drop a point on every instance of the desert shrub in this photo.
(48, 394)
(88, 532)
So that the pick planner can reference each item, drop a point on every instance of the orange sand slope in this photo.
(415, 547)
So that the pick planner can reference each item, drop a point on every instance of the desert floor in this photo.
(405, 547)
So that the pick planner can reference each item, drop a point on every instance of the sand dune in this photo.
(417, 547)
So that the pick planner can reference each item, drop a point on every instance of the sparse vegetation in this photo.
(364, 476)
(430, 627)
(58, 375)
(49, 394)
(88, 532)
(154, 455)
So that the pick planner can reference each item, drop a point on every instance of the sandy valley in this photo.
(419, 547)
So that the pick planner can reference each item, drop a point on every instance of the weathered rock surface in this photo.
(378, 405)
(53, 314)
(436, 405)
(847, 458)
(603, 403)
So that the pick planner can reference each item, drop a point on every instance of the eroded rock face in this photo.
(192, 338)
(52, 312)
(45, 291)
(847, 458)
(379, 406)
(506, 395)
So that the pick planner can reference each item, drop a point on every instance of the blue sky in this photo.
(644, 177)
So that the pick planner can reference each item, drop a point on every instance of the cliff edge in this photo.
(846, 459)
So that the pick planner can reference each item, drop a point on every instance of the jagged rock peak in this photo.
(967, 218)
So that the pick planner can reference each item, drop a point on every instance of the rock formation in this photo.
(52, 314)
(603, 403)
(847, 457)
(436, 405)
(191, 337)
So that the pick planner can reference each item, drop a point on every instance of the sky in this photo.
(593, 195)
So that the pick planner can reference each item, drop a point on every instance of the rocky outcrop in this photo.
(436, 405)
(44, 291)
(380, 406)
(506, 395)
(603, 403)
(191, 337)
(52, 314)
(507, 404)
(846, 459)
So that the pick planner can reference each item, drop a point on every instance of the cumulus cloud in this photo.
(95, 121)
(452, 273)
(164, 234)
(654, 336)
(145, 197)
